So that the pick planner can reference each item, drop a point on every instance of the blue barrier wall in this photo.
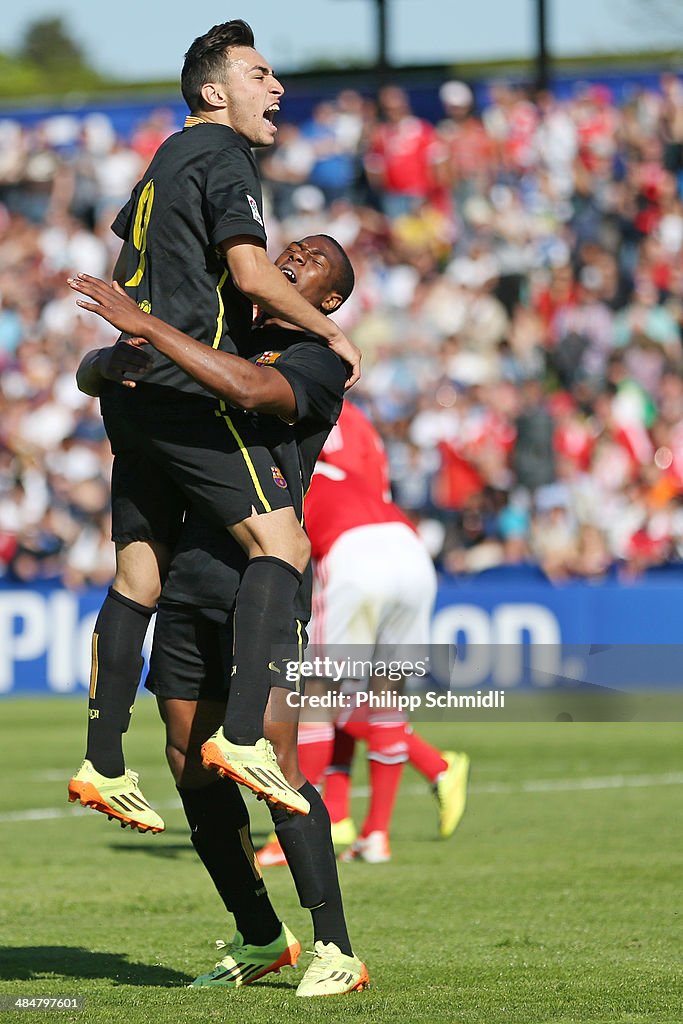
(45, 635)
(511, 628)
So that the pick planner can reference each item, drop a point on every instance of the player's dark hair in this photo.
(346, 278)
(205, 61)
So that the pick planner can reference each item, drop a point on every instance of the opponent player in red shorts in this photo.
(374, 591)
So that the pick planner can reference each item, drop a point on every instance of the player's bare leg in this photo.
(140, 570)
(278, 534)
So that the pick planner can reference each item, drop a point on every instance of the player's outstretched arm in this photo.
(269, 289)
(239, 382)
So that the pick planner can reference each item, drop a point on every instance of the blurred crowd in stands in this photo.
(519, 302)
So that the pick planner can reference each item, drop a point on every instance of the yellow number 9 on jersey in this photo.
(143, 213)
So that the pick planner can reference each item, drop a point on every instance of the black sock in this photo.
(114, 677)
(307, 844)
(219, 828)
(264, 615)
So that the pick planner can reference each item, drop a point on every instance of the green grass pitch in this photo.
(557, 900)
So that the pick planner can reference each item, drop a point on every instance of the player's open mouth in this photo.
(269, 114)
(289, 274)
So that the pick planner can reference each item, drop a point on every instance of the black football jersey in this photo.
(201, 188)
(207, 564)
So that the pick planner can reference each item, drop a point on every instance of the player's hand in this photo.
(347, 351)
(124, 361)
(110, 302)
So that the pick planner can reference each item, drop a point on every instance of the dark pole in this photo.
(382, 58)
(542, 57)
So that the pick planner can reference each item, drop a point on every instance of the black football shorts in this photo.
(192, 654)
(172, 451)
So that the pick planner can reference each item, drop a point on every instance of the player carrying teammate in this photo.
(373, 593)
(194, 254)
(301, 384)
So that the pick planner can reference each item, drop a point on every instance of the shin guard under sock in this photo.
(307, 845)
(114, 677)
(219, 827)
(264, 632)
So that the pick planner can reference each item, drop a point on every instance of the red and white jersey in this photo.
(404, 154)
(350, 483)
(354, 445)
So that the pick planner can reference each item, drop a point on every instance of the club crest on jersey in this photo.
(255, 210)
(278, 477)
(268, 358)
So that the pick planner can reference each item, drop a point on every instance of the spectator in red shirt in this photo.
(406, 161)
(149, 135)
(471, 151)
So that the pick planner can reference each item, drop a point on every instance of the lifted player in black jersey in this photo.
(301, 383)
(194, 254)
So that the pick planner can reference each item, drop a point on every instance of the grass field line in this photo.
(575, 785)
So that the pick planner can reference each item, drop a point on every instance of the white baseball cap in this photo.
(456, 94)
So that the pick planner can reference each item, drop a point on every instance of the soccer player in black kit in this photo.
(301, 383)
(194, 254)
